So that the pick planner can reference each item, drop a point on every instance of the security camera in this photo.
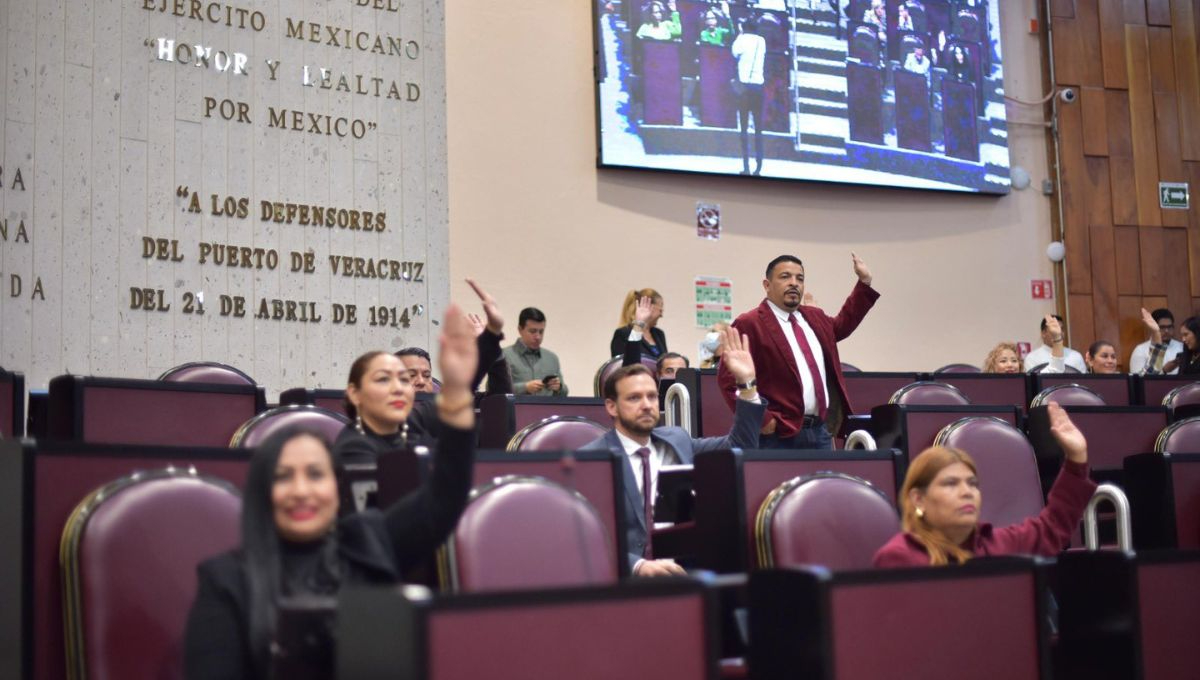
(1068, 95)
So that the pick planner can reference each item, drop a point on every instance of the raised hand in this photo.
(459, 355)
(1054, 328)
(736, 356)
(642, 312)
(1152, 326)
(860, 269)
(1068, 436)
(477, 324)
(495, 320)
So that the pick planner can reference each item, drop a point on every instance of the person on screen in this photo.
(714, 33)
(940, 503)
(795, 349)
(294, 543)
(750, 50)
(631, 399)
(657, 25)
(904, 20)
(1140, 358)
(876, 17)
(640, 313)
(1004, 358)
(1053, 356)
(917, 62)
(960, 64)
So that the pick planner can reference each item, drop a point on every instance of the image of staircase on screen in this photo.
(905, 93)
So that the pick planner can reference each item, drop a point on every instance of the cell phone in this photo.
(549, 378)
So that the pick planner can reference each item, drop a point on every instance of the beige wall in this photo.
(533, 218)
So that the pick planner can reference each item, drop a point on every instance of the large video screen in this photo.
(906, 93)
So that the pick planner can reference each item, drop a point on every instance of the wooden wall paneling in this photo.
(1170, 162)
(1162, 59)
(1080, 321)
(1087, 19)
(1128, 331)
(1112, 43)
(1193, 175)
(1135, 12)
(1098, 191)
(1150, 245)
(1104, 281)
(1127, 252)
(1187, 74)
(1158, 12)
(1175, 267)
(1062, 8)
(1093, 103)
(1124, 196)
(1074, 198)
(1141, 119)
(1069, 56)
(1120, 136)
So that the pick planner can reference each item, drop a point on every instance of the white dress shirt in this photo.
(750, 50)
(1042, 355)
(808, 387)
(1141, 354)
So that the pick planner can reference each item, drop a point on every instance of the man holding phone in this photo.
(534, 370)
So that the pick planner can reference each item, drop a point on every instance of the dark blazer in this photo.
(744, 435)
(778, 375)
(616, 348)
(375, 548)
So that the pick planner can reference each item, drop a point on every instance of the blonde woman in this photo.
(640, 328)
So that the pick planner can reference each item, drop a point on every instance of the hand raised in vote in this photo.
(736, 356)
(1068, 436)
(642, 312)
(860, 269)
(495, 320)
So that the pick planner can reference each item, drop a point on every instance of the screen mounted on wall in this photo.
(905, 93)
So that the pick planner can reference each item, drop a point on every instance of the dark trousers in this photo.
(816, 437)
(751, 102)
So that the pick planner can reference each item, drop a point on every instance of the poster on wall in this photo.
(260, 184)
(901, 93)
(714, 300)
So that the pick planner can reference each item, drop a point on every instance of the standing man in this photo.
(534, 370)
(631, 399)
(795, 350)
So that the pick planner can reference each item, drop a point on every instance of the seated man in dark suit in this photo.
(631, 397)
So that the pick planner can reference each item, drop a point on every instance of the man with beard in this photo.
(795, 348)
(631, 398)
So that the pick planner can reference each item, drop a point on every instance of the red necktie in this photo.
(811, 361)
(647, 499)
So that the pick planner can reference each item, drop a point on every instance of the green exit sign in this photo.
(1173, 195)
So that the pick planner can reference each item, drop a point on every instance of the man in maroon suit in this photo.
(795, 349)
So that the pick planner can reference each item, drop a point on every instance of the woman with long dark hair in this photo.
(940, 503)
(1189, 334)
(293, 542)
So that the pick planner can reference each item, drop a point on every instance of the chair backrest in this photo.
(1007, 465)
(850, 368)
(1180, 437)
(527, 532)
(207, 372)
(929, 393)
(1066, 369)
(829, 518)
(864, 45)
(259, 428)
(1184, 395)
(958, 368)
(129, 553)
(557, 433)
(611, 366)
(1067, 394)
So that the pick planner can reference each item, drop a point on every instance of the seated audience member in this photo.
(1053, 353)
(420, 368)
(876, 18)
(380, 396)
(940, 503)
(631, 398)
(534, 370)
(916, 61)
(960, 64)
(1004, 358)
(639, 323)
(1101, 357)
(1188, 360)
(714, 33)
(710, 346)
(294, 544)
(904, 20)
(1140, 359)
(657, 26)
(669, 363)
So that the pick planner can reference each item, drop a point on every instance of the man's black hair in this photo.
(415, 352)
(1060, 320)
(530, 314)
(782, 258)
(1162, 313)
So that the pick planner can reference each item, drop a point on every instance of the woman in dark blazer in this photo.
(654, 341)
(293, 542)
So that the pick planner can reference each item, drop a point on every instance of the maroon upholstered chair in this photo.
(1180, 437)
(1067, 394)
(850, 368)
(527, 532)
(609, 367)
(1184, 395)
(828, 518)
(1008, 471)
(129, 553)
(557, 433)
(256, 430)
(958, 368)
(207, 372)
(929, 393)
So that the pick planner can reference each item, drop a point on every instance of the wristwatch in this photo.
(748, 385)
